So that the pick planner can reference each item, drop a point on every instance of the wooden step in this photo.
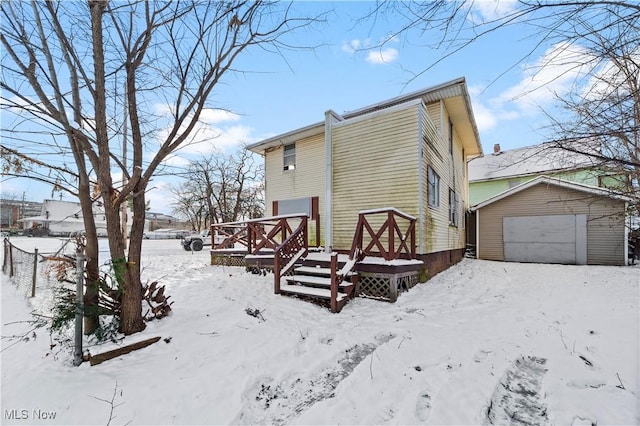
(313, 270)
(313, 281)
(321, 271)
(320, 293)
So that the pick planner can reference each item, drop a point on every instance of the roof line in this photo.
(552, 181)
(379, 105)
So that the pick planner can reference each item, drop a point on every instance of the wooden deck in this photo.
(380, 264)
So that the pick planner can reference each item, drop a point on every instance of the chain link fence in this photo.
(33, 274)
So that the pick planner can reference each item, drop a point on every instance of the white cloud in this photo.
(209, 115)
(485, 11)
(555, 73)
(383, 56)
(552, 75)
(608, 79)
(485, 118)
(217, 130)
(376, 53)
(352, 46)
(160, 198)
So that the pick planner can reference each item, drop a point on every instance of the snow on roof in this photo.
(553, 181)
(536, 159)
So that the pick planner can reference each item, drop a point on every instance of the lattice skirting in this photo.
(226, 260)
(385, 286)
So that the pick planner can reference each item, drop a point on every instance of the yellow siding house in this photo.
(409, 153)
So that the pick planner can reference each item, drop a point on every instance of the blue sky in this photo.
(276, 94)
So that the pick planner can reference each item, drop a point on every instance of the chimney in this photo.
(496, 149)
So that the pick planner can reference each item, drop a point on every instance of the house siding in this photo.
(605, 220)
(375, 165)
(306, 180)
(482, 191)
(438, 234)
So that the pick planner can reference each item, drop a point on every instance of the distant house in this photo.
(12, 210)
(409, 153)
(572, 184)
(550, 220)
(62, 218)
(156, 221)
(499, 171)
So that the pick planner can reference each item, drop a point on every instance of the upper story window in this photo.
(289, 157)
(434, 188)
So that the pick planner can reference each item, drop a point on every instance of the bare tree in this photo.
(189, 204)
(597, 42)
(603, 116)
(221, 188)
(74, 68)
(449, 27)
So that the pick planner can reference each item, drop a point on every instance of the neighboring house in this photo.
(550, 220)
(409, 153)
(156, 221)
(501, 170)
(63, 218)
(12, 210)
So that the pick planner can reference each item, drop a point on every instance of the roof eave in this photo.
(286, 138)
(551, 181)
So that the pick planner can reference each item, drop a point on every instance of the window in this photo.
(289, 158)
(434, 188)
(453, 208)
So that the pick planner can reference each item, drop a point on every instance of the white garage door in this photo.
(545, 239)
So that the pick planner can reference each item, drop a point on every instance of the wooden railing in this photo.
(265, 233)
(232, 232)
(289, 252)
(399, 243)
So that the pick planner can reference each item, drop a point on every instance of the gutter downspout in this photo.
(330, 117)
(421, 218)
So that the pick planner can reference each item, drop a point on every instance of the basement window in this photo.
(289, 157)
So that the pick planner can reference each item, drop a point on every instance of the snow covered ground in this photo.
(481, 343)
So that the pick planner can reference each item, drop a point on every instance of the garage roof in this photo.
(546, 180)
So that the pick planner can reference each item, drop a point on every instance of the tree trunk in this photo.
(124, 270)
(91, 318)
(131, 321)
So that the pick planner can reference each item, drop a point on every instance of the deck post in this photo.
(276, 272)
(391, 253)
(413, 240)
(334, 282)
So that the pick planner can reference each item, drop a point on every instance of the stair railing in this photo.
(293, 248)
(270, 232)
(335, 282)
(338, 277)
(399, 242)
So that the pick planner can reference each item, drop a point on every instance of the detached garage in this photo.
(548, 220)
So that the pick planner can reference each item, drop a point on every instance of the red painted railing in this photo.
(289, 252)
(265, 233)
(232, 233)
(390, 239)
